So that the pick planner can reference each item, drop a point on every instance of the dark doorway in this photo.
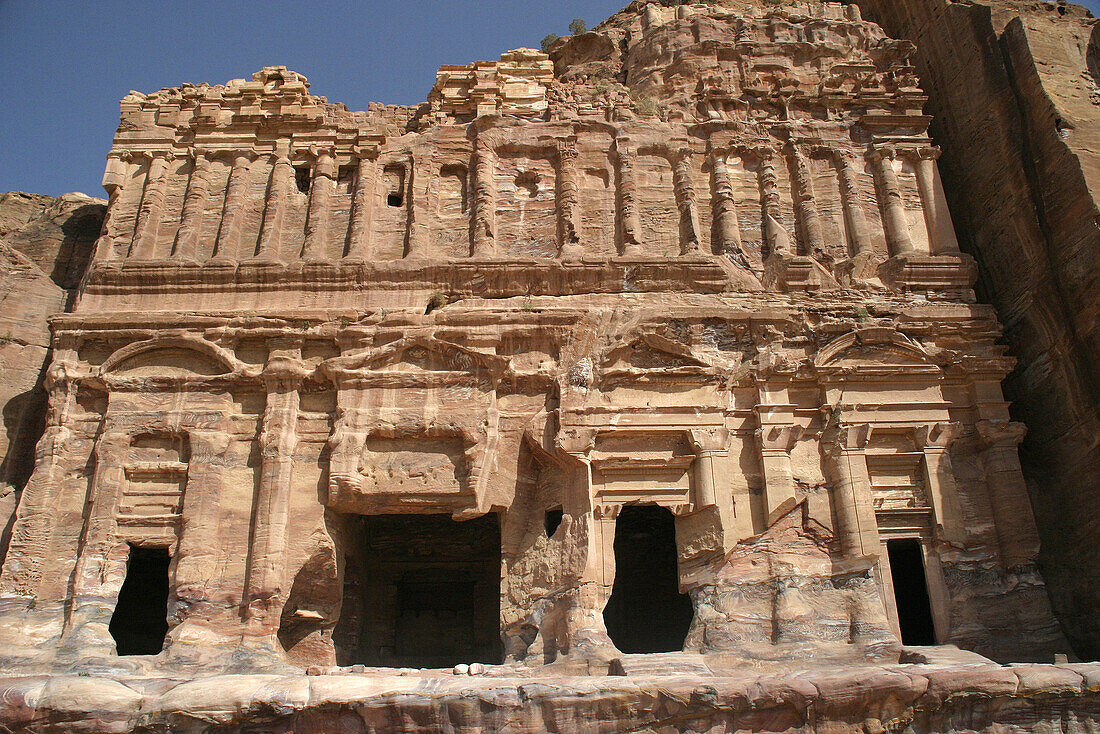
(420, 591)
(911, 591)
(140, 621)
(646, 612)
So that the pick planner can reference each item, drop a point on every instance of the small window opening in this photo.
(301, 178)
(646, 611)
(911, 591)
(140, 619)
(552, 521)
(394, 176)
(345, 174)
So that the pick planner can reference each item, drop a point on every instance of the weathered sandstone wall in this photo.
(1013, 90)
(45, 244)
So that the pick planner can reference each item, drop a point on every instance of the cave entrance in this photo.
(646, 611)
(420, 591)
(140, 620)
(911, 591)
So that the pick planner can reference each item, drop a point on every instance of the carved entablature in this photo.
(762, 169)
(413, 420)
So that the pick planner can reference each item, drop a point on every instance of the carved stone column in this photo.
(362, 209)
(320, 198)
(227, 243)
(198, 548)
(807, 204)
(725, 210)
(267, 585)
(36, 517)
(485, 199)
(115, 179)
(568, 200)
(151, 209)
(779, 242)
(934, 440)
(941, 232)
(709, 445)
(854, 219)
(1012, 513)
(893, 206)
(686, 202)
(194, 203)
(89, 602)
(271, 231)
(776, 436)
(846, 466)
(628, 200)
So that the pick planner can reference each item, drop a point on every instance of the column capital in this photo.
(935, 435)
(1000, 433)
(567, 148)
(778, 438)
(848, 438)
(882, 153)
(709, 440)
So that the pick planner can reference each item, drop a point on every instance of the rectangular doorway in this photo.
(420, 591)
(911, 591)
(140, 620)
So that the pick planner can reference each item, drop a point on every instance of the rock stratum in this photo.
(635, 385)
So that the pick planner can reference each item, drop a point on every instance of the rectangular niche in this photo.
(452, 236)
(526, 211)
(420, 591)
(414, 465)
(390, 223)
(656, 192)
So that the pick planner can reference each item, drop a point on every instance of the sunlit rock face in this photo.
(654, 355)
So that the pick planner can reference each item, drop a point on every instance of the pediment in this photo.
(422, 356)
(874, 347)
(174, 358)
(650, 352)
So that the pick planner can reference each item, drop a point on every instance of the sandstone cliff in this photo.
(45, 244)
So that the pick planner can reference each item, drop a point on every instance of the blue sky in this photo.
(64, 65)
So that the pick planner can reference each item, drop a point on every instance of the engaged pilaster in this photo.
(846, 465)
(779, 242)
(115, 179)
(485, 199)
(893, 206)
(686, 202)
(362, 208)
(941, 231)
(776, 435)
(854, 219)
(725, 211)
(807, 204)
(320, 198)
(939, 478)
(227, 243)
(628, 200)
(194, 203)
(271, 232)
(150, 211)
(266, 591)
(568, 200)
(1004, 478)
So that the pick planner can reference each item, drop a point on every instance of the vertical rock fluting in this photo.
(1013, 90)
